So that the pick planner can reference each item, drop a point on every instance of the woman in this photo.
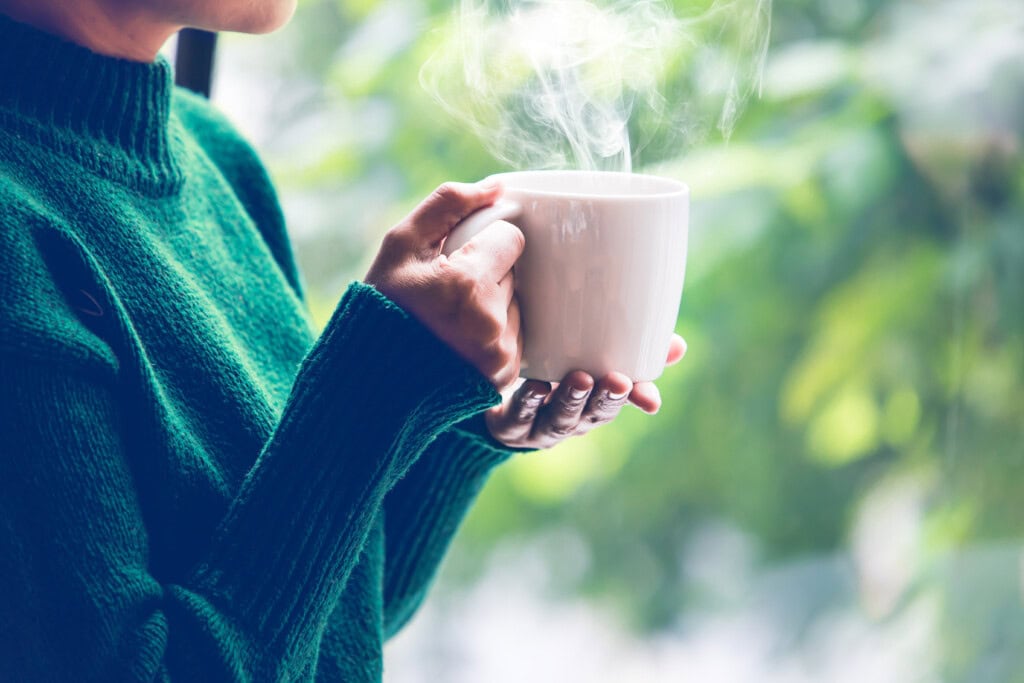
(193, 486)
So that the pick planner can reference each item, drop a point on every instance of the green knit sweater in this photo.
(193, 486)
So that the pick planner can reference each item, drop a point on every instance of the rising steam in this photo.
(554, 83)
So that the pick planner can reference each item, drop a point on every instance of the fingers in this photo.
(447, 206)
(510, 348)
(540, 415)
(576, 406)
(561, 415)
(606, 401)
(676, 349)
(466, 298)
(494, 249)
(646, 397)
(513, 422)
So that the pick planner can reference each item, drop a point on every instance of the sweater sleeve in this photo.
(79, 599)
(424, 510)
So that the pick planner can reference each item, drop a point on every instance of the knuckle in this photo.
(450, 271)
(474, 310)
(562, 430)
(570, 406)
(457, 286)
(449, 197)
(449, 293)
(466, 286)
(525, 413)
(446, 192)
(395, 239)
(470, 303)
(516, 238)
(607, 408)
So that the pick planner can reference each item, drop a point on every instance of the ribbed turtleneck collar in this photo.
(111, 114)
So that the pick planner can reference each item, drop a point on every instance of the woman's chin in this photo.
(265, 17)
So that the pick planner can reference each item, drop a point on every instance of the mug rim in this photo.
(674, 188)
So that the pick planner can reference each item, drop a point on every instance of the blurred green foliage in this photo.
(854, 304)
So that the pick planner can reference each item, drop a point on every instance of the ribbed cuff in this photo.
(473, 446)
(374, 391)
(426, 508)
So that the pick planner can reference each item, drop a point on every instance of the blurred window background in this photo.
(834, 489)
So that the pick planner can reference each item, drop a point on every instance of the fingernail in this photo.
(488, 184)
(578, 393)
(617, 395)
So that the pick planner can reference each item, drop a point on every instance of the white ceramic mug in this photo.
(600, 280)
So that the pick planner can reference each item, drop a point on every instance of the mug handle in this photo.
(474, 223)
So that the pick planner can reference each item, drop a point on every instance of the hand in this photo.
(540, 415)
(467, 298)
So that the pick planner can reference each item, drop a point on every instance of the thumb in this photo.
(448, 205)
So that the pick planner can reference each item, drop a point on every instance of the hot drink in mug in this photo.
(600, 280)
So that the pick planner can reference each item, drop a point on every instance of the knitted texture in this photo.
(193, 486)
